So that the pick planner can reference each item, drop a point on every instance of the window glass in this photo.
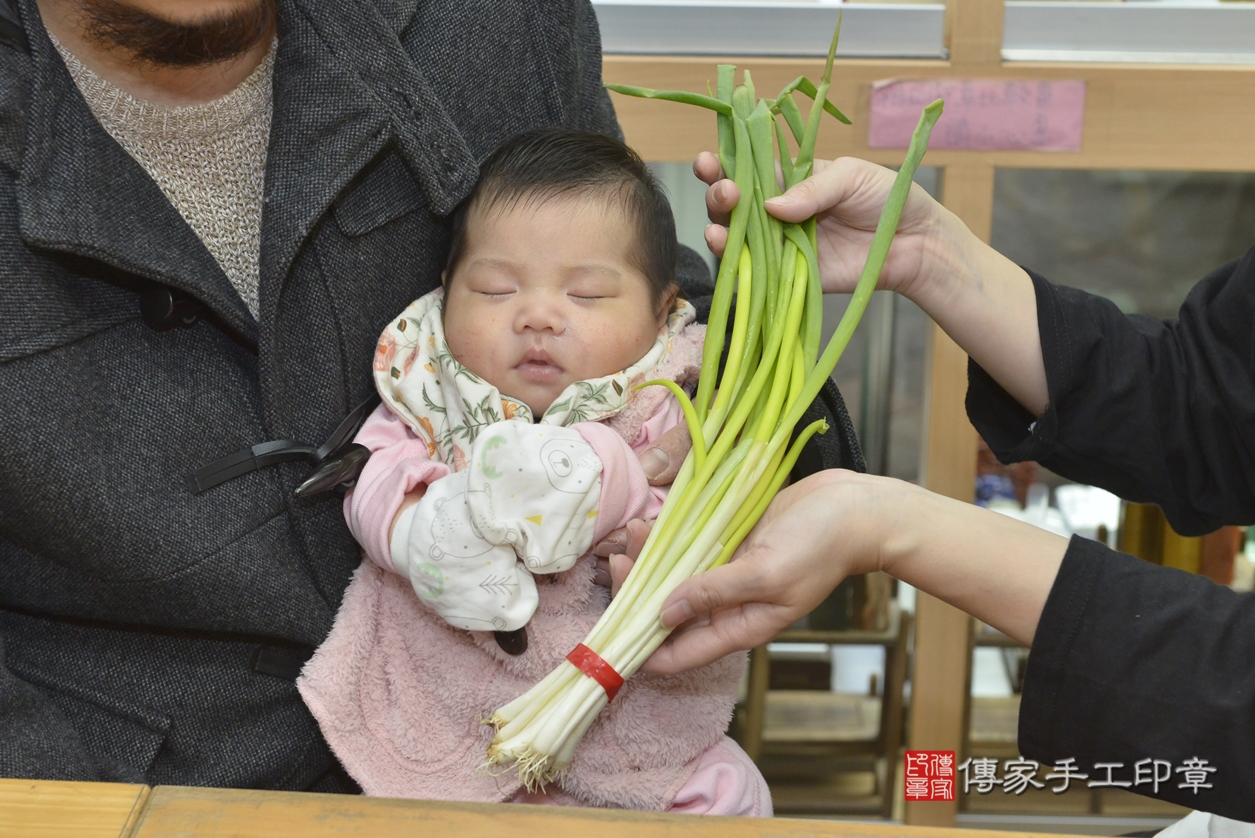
(1182, 32)
(778, 29)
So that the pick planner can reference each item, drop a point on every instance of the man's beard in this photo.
(156, 41)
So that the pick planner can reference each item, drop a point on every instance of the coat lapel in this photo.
(325, 128)
(79, 192)
(344, 88)
(363, 42)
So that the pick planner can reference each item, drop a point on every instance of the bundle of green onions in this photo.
(741, 429)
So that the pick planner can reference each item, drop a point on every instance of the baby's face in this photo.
(545, 295)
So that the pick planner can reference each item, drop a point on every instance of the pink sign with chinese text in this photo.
(981, 114)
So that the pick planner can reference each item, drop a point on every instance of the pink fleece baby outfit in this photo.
(399, 693)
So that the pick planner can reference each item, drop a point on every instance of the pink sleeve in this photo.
(398, 464)
(667, 416)
(625, 493)
(726, 782)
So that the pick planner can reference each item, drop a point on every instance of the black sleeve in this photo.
(1135, 661)
(1155, 411)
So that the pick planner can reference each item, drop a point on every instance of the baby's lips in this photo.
(540, 371)
(538, 355)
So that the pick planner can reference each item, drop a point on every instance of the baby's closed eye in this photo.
(489, 278)
(593, 290)
(492, 288)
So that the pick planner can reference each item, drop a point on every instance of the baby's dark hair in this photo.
(552, 162)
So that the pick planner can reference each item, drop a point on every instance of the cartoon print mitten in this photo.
(536, 488)
(526, 503)
(469, 581)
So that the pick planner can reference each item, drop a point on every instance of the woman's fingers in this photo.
(738, 606)
(707, 168)
(620, 567)
(722, 195)
(709, 639)
(615, 542)
(721, 199)
(716, 238)
(661, 461)
(601, 573)
(814, 534)
(719, 612)
(733, 584)
(637, 534)
(617, 553)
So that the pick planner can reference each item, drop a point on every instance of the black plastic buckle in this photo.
(335, 463)
(164, 308)
(339, 470)
(512, 642)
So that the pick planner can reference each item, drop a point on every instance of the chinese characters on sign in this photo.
(980, 774)
(931, 775)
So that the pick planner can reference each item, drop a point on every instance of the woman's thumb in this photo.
(797, 204)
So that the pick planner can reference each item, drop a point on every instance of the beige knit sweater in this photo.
(209, 160)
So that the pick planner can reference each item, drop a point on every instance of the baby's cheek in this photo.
(471, 340)
(613, 354)
(630, 348)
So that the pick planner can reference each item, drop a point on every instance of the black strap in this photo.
(242, 462)
(11, 32)
(347, 429)
(266, 454)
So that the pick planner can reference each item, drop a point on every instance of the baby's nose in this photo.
(539, 315)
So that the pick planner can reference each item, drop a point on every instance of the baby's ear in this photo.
(444, 280)
(666, 305)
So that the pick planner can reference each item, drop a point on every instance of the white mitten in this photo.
(527, 502)
(535, 488)
(471, 582)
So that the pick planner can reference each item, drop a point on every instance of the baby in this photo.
(504, 449)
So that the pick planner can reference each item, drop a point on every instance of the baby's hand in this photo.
(618, 550)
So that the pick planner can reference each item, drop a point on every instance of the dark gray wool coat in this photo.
(146, 633)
